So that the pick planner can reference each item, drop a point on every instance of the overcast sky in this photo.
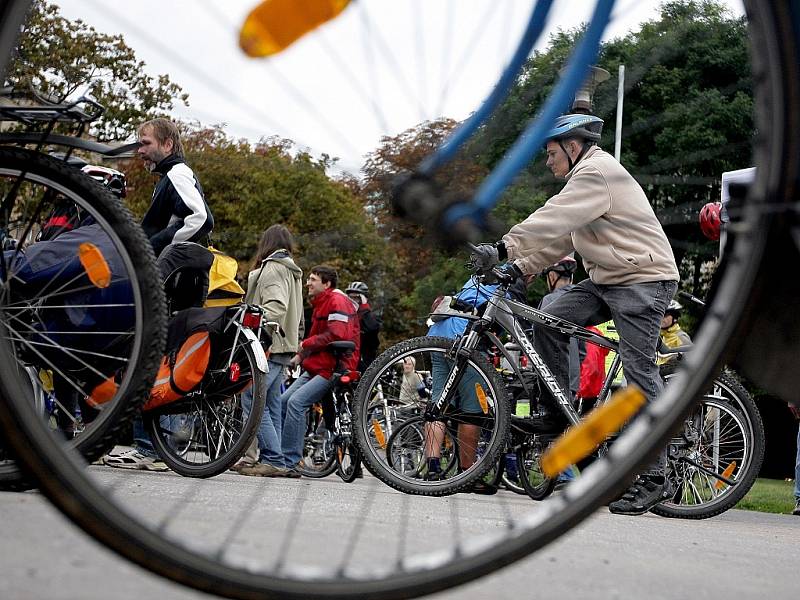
(380, 67)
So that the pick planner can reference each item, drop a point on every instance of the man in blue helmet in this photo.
(603, 214)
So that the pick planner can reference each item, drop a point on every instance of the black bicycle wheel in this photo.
(205, 434)
(510, 477)
(533, 481)
(405, 450)
(348, 461)
(486, 420)
(79, 302)
(722, 437)
(319, 447)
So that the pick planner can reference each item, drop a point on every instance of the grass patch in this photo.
(769, 495)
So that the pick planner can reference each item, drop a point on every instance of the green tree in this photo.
(420, 269)
(61, 58)
(688, 116)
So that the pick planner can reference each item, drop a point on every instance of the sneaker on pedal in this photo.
(796, 510)
(643, 495)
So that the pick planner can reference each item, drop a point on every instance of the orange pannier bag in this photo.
(188, 353)
(181, 372)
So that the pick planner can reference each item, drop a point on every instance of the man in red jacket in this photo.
(335, 318)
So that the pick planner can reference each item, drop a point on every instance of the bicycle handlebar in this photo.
(690, 297)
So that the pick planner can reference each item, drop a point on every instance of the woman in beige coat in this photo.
(276, 285)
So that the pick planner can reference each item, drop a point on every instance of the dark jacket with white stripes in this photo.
(178, 212)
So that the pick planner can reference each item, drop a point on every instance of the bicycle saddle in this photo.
(342, 346)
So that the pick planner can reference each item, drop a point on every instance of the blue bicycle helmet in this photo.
(587, 127)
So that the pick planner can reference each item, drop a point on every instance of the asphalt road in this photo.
(737, 555)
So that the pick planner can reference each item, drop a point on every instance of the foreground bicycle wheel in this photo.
(80, 306)
(428, 552)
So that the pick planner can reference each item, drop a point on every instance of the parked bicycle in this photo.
(329, 442)
(213, 356)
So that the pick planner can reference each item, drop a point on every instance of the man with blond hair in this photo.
(178, 216)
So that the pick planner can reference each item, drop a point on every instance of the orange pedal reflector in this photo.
(274, 25)
(726, 474)
(482, 398)
(95, 265)
(380, 437)
(580, 440)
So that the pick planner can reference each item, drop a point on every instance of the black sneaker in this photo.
(796, 510)
(643, 495)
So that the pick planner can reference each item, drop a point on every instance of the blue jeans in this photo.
(271, 425)
(797, 469)
(637, 310)
(296, 401)
(141, 439)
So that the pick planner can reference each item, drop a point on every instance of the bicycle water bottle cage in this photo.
(451, 220)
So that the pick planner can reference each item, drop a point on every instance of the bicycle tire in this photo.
(348, 462)
(745, 408)
(500, 423)
(536, 485)
(512, 486)
(210, 400)
(308, 466)
(115, 221)
(414, 428)
(776, 77)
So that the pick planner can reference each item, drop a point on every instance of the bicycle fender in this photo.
(261, 357)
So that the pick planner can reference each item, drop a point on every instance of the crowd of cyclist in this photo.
(601, 213)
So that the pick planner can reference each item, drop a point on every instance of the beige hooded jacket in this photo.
(277, 287)
(604, 215)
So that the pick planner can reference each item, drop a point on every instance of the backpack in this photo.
(223, 289)
(189, 350)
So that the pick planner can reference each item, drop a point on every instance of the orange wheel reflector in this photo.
(380, 437)
(482, 398)
(577, 442)
(95, 265)
(726, 474)
(274, 25)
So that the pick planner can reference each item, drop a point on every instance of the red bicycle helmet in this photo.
(710, 220)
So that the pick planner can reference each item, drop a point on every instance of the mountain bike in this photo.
(77, 305)
(422, 558)
(329, 443)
